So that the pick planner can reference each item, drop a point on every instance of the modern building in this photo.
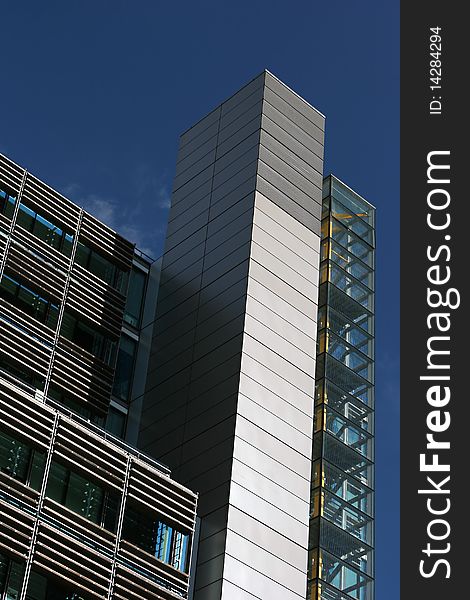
(83, 515)
(258, 244)
(342, 509)
(242, 359)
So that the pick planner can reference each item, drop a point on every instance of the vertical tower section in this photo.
(230, 388)
(342, 509)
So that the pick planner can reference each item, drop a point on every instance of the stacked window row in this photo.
(341, 531)
(94, 502)
(45, 309)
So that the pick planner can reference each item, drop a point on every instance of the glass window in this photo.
(25, 217)
(14, 457)
(89, 339)
(7, 203)
(41, 587)
(124, 368)
(11, 577)
(100, 266)
(47, 232)
(82, 255)
(67, 244)
(84, 498)
(19, 371)
(135, 296)
(163, 542)
(153, 535)
(8, 287)
(181, 551)
(57, 482)
(21, 461)
(116, 422)
(29, 301)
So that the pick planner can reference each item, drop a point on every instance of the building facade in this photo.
(342, 509)
(242, 359)
(230, 397)
(83, 514)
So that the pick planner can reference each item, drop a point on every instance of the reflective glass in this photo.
(124, 368)
(84, 497)
(135, 296)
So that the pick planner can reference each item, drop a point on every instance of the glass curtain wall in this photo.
(341, 512)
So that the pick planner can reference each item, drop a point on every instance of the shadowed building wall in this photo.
(230, 386)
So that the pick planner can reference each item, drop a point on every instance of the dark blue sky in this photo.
(95, 94)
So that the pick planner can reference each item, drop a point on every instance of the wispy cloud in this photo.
(140, 217)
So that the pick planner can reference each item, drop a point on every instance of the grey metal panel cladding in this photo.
(293, 100)
(290, 206)
(210, 120)
(203, 335)
(274, 120)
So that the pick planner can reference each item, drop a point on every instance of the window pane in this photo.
(26, 217)
(101, 267)
(84, 498)
(15, 581)
(180, 557)
(14, 457)
(124, 368)
(67, 243)
(37, 470)
(135, 297)
(57, 482)
(8, 288)
(111, 506)
(163, 542)
(115, 422)
(68, 326)
(47, 232)
(52, 316)
(82, 255)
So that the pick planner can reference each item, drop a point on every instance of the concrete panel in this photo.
(191, 171)
(233, 592)
(247, 160)
(249, 94)
(292, 169)
(239, 130)
(265, 277)
(205, 149)
(303, 199)
(197, 188)
(237, 152)
(222, 203)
